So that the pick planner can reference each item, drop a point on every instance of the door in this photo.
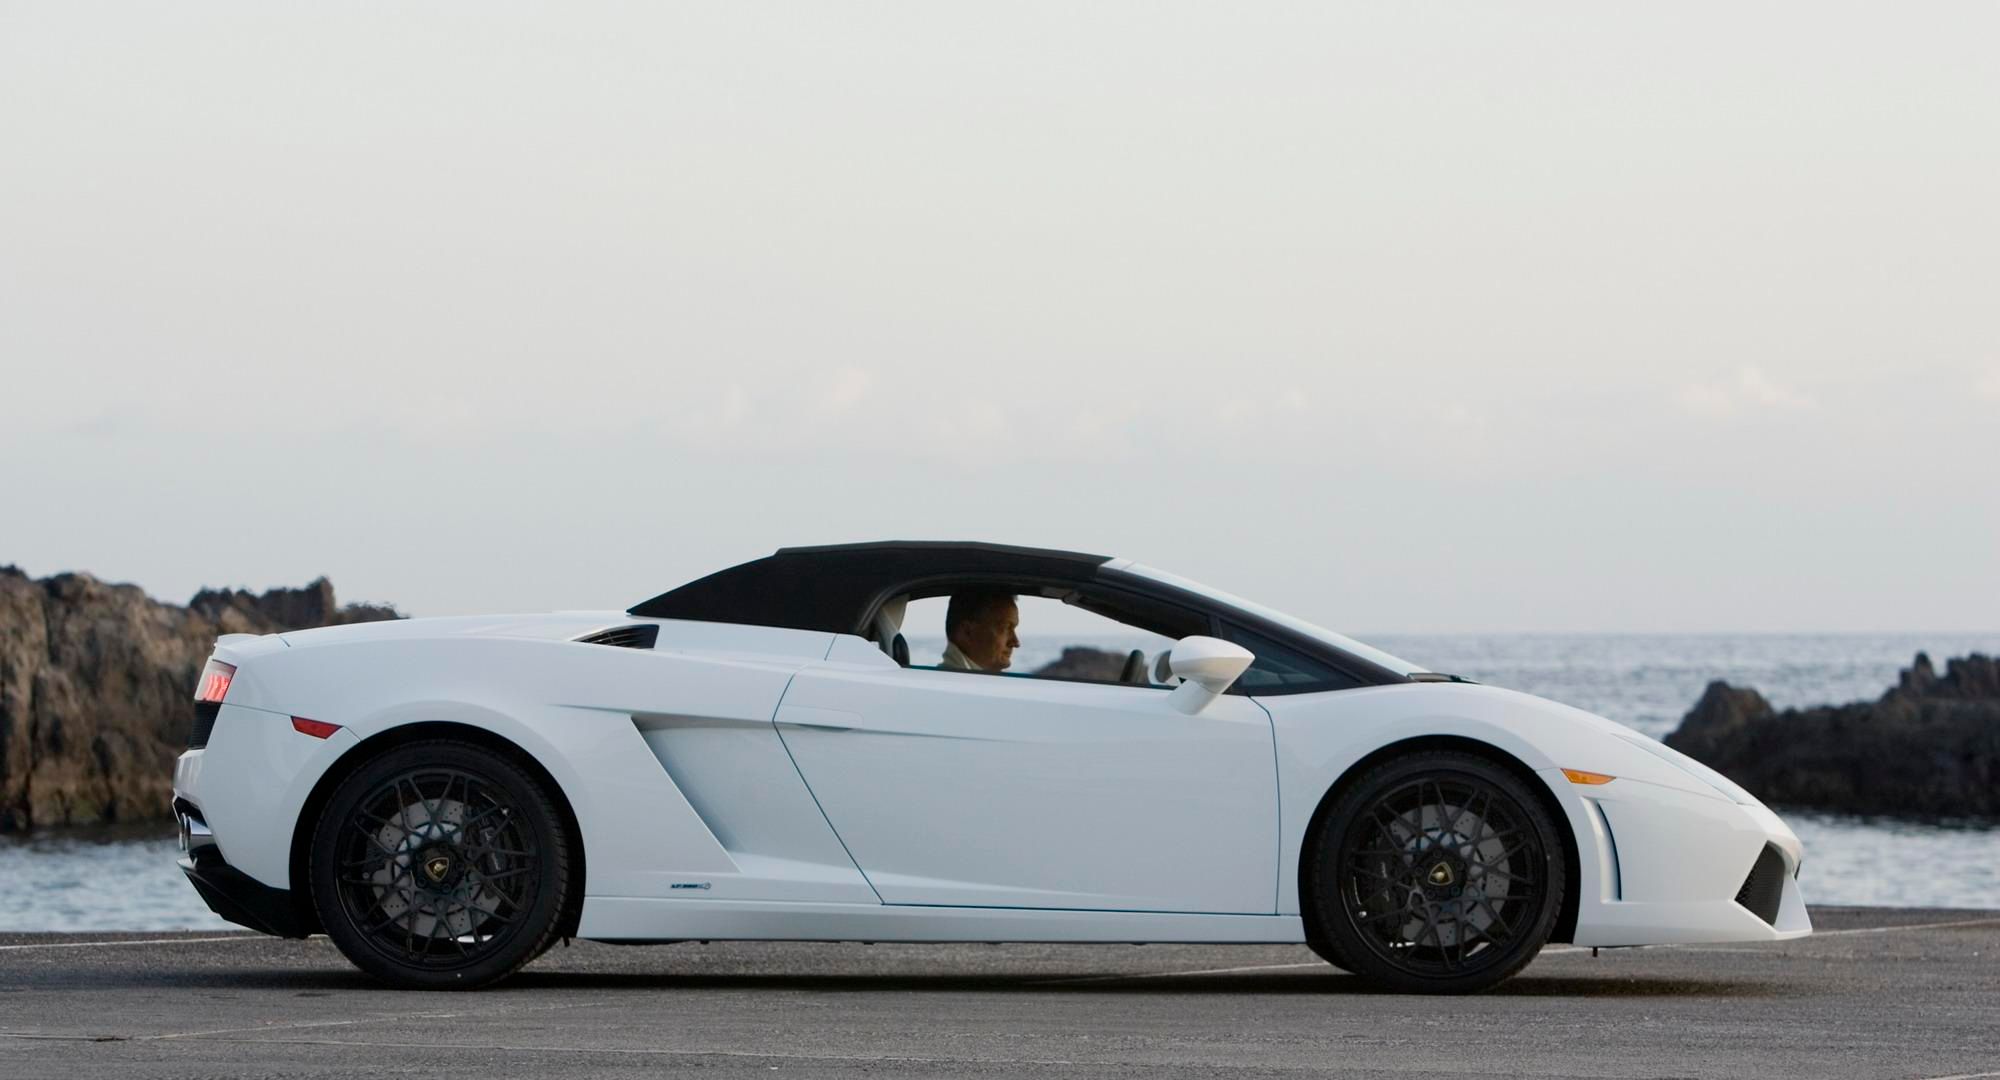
(961, 788)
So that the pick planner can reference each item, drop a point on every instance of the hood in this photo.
(1569, 737)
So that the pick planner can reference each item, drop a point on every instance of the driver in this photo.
(979, 631)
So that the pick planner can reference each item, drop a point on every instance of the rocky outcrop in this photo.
(97, 687)
(1084, 662)
(1929, 747)
(284, 609)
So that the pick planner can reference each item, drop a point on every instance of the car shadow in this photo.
(326, 981)
(1329, 984)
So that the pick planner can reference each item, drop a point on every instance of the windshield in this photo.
(1293, 623)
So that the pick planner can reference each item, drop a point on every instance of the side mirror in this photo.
(1207, 668)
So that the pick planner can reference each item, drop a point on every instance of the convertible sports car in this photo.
(752, 755)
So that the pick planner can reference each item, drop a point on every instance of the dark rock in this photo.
(1971, 678)
(1723, 714)
(1917, 678)
(1929, 747)
(1084, 662)
(97, 687)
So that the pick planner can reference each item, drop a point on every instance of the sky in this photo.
(1560, 317)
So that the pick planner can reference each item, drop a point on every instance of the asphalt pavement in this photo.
(1876, 993)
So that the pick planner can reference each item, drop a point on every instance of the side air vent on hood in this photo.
(624, 637)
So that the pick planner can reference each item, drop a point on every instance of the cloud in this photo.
(1749, 391)
(712, 415)
(849, 387)
(1264, 408)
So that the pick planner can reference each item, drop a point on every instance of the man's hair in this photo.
(972, 605)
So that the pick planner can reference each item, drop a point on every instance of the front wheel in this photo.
(440, 864)
(1439, 872)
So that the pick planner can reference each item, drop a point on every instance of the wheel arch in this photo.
(1565, 928)
(382, 742)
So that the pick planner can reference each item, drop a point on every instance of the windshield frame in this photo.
(1360, 650)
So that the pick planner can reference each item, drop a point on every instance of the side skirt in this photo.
(615, 918)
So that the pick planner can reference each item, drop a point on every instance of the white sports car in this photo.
(753, 756)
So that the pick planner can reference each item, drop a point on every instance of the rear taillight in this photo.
(214, 684)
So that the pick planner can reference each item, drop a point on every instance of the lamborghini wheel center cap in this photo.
(1441, 874)
(436, 868)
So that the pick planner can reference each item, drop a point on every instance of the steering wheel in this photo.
(1135, 669)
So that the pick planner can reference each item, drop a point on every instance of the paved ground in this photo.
(1877, 993)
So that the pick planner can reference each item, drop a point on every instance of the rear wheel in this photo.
(1440, 872)
(440, 864)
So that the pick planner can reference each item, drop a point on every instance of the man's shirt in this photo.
(954, 660)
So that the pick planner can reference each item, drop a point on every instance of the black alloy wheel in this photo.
(1439, 872)
(440, 864)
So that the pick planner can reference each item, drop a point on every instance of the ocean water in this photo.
(79, 880)
(125, 878)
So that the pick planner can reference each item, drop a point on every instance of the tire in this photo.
(440, 865)
(1325, 950)
(1438, 872)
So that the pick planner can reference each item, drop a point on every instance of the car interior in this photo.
(1104, 613)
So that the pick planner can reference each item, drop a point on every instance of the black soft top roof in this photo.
(834, 587)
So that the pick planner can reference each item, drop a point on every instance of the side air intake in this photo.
(1765, 886)
(624, 637)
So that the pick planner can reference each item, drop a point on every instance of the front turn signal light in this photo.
(1578, 776)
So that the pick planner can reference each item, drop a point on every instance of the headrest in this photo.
(1134, 670)
(889, 618)
(900, 650)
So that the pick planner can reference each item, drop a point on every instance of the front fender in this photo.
(1321, 737)
(1661, 852)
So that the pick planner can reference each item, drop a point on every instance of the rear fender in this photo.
(637, 822)
(569, 707)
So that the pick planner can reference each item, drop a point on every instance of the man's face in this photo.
(989, 640)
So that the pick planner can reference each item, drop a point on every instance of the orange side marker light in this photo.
(1579, 776)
